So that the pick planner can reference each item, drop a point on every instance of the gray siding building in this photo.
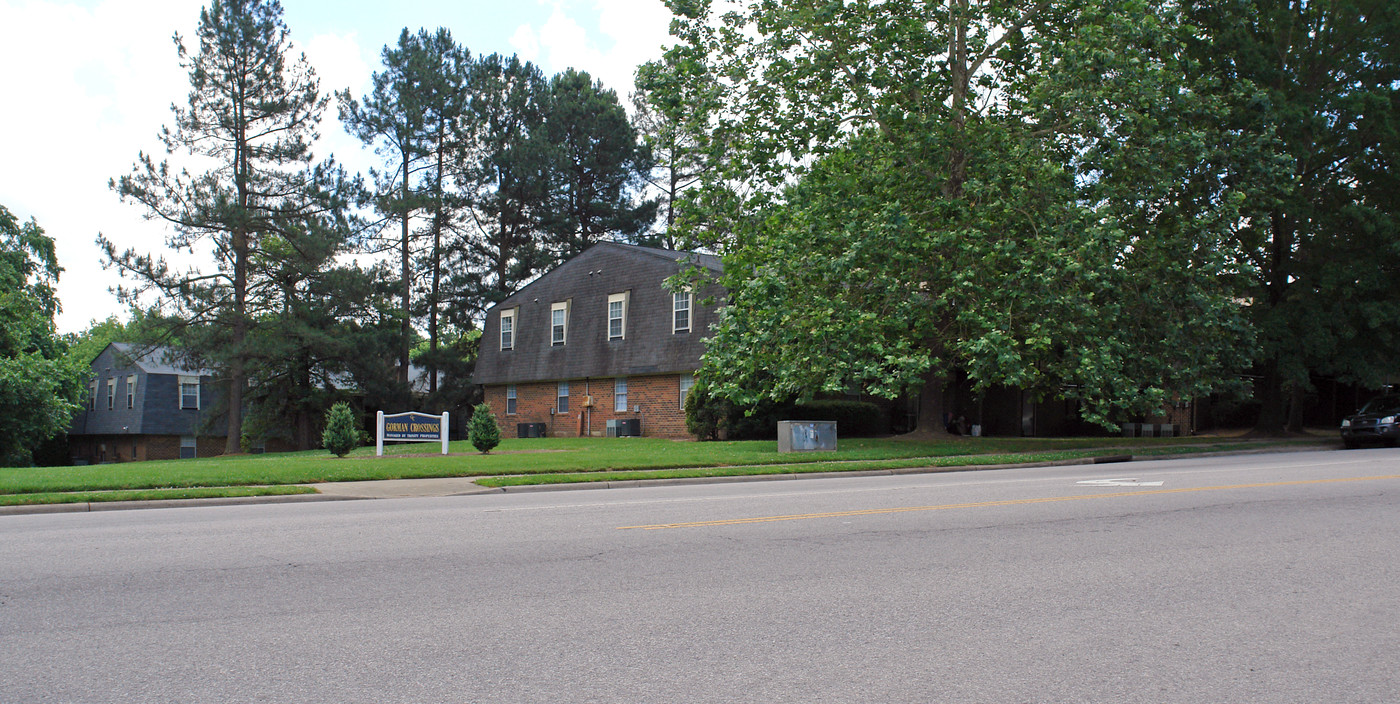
(145, 405)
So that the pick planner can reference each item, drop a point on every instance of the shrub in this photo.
(483, 431)
(342, 434)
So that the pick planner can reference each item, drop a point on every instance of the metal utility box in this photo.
(530, 430)
(806, 435)
(629, 427)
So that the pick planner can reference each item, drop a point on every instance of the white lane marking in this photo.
(1117, 482)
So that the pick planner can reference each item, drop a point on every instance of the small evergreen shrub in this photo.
(483, 431)
(342, 434)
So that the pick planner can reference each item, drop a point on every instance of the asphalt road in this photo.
(1266, 578)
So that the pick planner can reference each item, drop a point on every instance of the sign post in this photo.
(409, 427)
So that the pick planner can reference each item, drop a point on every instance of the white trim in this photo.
(620, 395)
(198, 391)
(562, 308)
(511, 396)
(621, 299)
(676, 298)
(507, 319)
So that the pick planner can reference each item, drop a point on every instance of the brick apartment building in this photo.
(598, 346)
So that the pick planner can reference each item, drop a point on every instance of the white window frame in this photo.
(111, 394)
(620, 301)
(508, 329)
(191, 443)
(190, 381)
(131, 391)
(92, 395)
(559, 324)
(620, 395)
(676, 299)
(511, 400)
(561, 398)
(686, 383)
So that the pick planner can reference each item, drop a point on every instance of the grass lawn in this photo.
(550, 460)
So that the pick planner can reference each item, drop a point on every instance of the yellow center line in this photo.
(983, 504)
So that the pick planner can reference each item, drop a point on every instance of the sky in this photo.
(88, 84)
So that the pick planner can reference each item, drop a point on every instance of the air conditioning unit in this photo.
(629, 427)
(530, 430)
(611, 428)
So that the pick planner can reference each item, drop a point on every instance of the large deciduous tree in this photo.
(40, 382)
(1007, 189)
(1315, 86)
(247, 129)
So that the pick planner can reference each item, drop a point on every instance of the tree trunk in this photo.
(1295, 408)
(932, 406)
(1269, 392)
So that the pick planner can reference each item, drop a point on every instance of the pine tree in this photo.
(483, 432)
(342, 433)
(253, 114)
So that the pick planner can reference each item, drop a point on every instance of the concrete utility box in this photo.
(806, 435)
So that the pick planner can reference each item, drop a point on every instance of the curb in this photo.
(87, 507)
(92, 506)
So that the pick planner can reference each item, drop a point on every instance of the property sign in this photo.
(410, 427)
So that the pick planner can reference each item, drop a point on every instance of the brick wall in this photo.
(656, 397)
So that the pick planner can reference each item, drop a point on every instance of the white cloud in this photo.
(629, 33)
(78, 118)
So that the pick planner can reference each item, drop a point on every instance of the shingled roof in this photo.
(585, 282)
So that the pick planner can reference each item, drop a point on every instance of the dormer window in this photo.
(558, 323)
(617, 316)
(680, 308)
(508, 329)
(131, 391)
(189, 392)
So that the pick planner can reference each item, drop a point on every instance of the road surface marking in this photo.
(1117, 482)
(986, 504)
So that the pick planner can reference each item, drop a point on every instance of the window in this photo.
(620, 395)
(563, 405)
(188, 447)
(131, 391)
(680, 305)
(617, 316)
(510, 399)
(111, 394)
(558, 322)
(189, 392)
(92, 395)
(687, 381)
(508, 329)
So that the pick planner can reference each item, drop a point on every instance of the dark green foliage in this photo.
(40, 382)
(1313, 90)
(483, 432)
(886, 223)
(505, 172)
(413, 117)
(342, 433)
(268, 215)
(598, 167)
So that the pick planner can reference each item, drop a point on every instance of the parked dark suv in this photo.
(1375, 422)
